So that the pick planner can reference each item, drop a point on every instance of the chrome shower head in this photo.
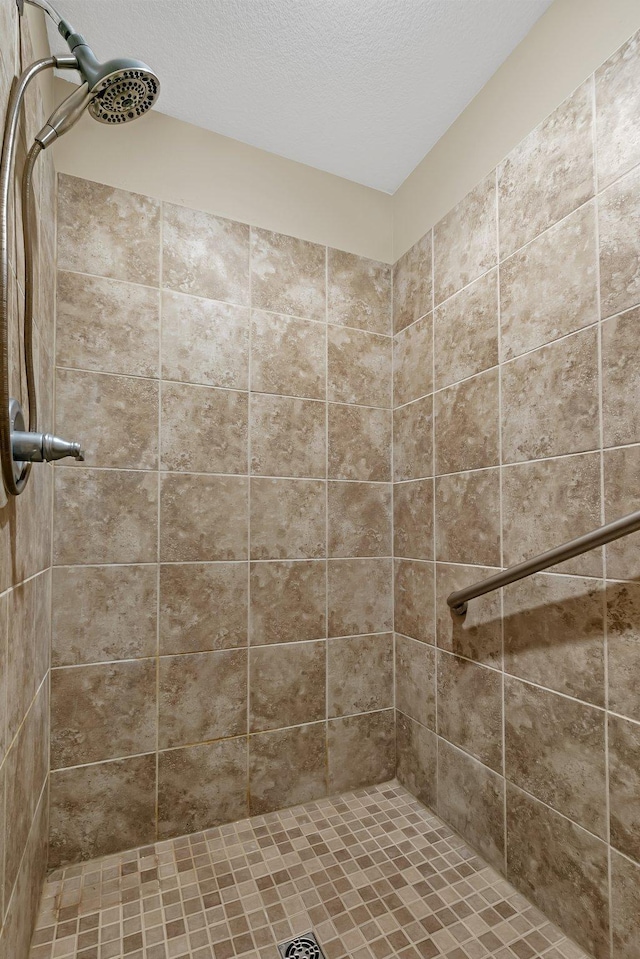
(125, 92)
(120, 89)
(114, 92)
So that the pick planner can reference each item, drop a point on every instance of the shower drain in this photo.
(301, 947)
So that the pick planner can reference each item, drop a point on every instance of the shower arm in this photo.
(15, 480)
(48, 8)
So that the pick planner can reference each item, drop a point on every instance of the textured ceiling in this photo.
(359, 88)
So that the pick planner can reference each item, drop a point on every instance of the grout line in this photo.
(304, 398)
(338, 559)
(326, 522)
(518, 463)
(548, 345)
(434, 517)
(249, 471)
(220, 651)
(603, 550)
(225, 303)
(244, 476)
(225, 739)
(159, 526)
(394, 677)
(503, 718)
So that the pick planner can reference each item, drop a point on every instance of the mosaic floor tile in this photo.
(373, 873)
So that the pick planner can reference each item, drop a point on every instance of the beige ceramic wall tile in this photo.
(416, 681)
(459, 496)
(90, 525)
(625, 905)
(617, 107)
(19, 685)
(106, 325)
(471, 799)
(360, 367)
(466, 418)
(359, 517)
(624, 785)
(466, 331)
(359, 443)
(413, 599)
(361, 750)
(287, 685)
(359, 596)
(120, 231)
(412, 284)
(288, 436)
(204, 430)
(79, 797)
(102, 712)
(562, 146)
(621, 495)
(200, 787)
(288, 519)
(620, 379)
(417, 759)
(103, 613)
(478, 732)
(359, 674)
(559, 867)
(287, 766)
(114, 417)
(547, 503)
(412, 361)
(202, 696)
(623, 647)
(203, 518)
(618, 220)
(413, 440)
(287, 275)
(205, 255)
(555, 750)
(478, 634)
(204, 341)
(288, 602)
(550, 400)
(359, 292)
(465, 242)
(554, 634)
(550, 288)
(25, 771)
(202, 606)
(413, 519)
(26, 633)
(288, 355)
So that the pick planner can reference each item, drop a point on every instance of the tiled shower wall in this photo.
(222, 583)
(25, 547)
(517, 427)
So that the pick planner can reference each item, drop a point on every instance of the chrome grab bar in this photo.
(581, 544)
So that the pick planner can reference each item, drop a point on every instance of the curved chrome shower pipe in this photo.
(15, 479)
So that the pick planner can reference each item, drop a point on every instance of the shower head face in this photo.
(124, 90)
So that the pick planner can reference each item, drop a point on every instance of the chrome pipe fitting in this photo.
(33, 447)
(42, 448)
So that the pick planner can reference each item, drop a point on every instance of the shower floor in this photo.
(372, 872)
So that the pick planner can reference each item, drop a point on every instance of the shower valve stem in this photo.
(32, 447)
(42, 448)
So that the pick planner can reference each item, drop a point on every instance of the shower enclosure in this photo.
(239, 711)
